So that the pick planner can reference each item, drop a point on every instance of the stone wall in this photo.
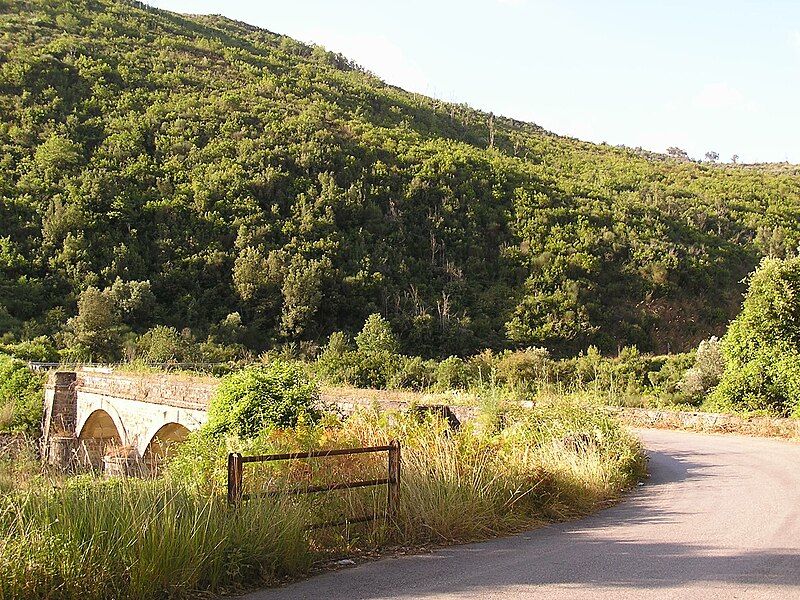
(60, 407)
(708, 422)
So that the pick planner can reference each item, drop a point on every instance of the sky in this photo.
(702, 76)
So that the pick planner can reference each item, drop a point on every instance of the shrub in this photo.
(373, 370)
(20, 396)
(705, 373)
(274, 395)
(528, 368)
(414, 373)
(375, 364)
(483, 366)
(631, 369)
(337, 359)
(216, 352)
(75, 353)
(588, 366)
(40, 349)
(761, 346)
(164, 345)
(669, 372)
(765, 383)
(452, 374)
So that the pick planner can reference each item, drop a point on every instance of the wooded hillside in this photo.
(199, 172)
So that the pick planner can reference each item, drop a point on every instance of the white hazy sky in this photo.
(711, 75)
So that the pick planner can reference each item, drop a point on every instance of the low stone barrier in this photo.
(365, 399)
(708, 422)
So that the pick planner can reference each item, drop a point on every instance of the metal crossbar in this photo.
(315, 454)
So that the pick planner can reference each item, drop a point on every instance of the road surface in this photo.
(719, 518)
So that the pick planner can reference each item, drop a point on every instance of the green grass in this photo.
(141, 540)
(176, 537)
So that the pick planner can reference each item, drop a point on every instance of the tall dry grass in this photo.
(175, 537)
(134, 539)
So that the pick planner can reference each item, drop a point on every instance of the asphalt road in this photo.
(719, 518)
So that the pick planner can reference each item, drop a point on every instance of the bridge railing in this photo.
(236, 493)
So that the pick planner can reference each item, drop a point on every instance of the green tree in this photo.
(21, 397)
(163, 345)
(762, 345)
(377, 337)
(274, 395)
(96, 332)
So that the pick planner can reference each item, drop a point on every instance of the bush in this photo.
(40, 349)
(630, 370)
(452, 374)
(414, 373)
(705, 373)
(765, 383)
(483, 367)
(337, 359)
(377, 337)
(528, 368)
(669, 373)
(216, 352)
(375, 364)
(164, 345)
(21, 397)
(255, 398)
(762, 370)
(587, 367)
(374, 370)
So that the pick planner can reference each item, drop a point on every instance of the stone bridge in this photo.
(94, 418)
(92, 414)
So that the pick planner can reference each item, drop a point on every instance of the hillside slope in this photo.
(238, 170)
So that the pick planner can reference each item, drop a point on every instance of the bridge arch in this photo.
(98, 434)
(159, 443)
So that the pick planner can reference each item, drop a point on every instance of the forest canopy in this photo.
(201, 180)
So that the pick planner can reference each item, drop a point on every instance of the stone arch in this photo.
(161, 442)
(98, 435)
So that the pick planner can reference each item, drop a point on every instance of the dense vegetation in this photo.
(629, 378)
(241, 190)
(275, 395)
(175, 537)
